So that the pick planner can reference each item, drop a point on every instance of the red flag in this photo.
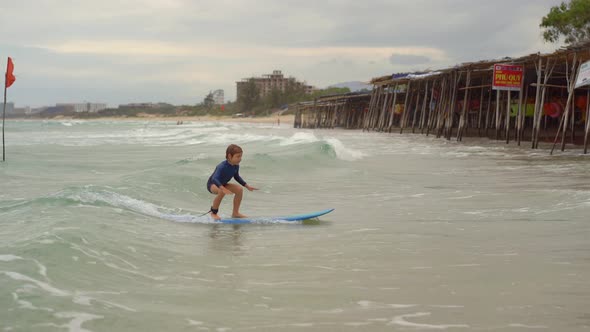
(9, 76)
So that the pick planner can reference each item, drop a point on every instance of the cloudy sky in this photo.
(176, 51)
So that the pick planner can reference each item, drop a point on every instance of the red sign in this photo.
(507, 77)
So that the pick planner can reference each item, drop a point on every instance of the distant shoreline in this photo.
(285, 119)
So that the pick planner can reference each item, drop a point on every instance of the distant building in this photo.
(22, 111)
(270, 82)
(145, 105)
(83, 107)
(218, 97)
(9, 108)
(37, 110)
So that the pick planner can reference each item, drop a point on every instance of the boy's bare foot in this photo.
(215, 216)
(238, 215)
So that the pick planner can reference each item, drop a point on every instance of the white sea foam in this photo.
(43, 285)
(123, 202)
(343, 152)
(401, 306)
(525, 326)
(27, 305)
(78, 318)
(227, 138)
(132, 204)
(78, 297)
(302, 324)
(363, 230)
(401, 321)
(8, 258)
(331, 311)
(194, 322)
(356, 324)
(299, 138)
(42, 268)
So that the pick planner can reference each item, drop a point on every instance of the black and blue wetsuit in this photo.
(223, 173)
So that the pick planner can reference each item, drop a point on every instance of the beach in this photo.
(284, 119)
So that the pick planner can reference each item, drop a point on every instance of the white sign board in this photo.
(583, 75)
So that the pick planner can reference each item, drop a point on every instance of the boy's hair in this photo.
(232, 149)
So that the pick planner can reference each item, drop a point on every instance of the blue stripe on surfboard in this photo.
(297, 217)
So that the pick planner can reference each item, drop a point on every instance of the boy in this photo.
(218, 182)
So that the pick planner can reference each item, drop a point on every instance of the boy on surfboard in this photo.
(218, 182)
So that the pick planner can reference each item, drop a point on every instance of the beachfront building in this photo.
(539, 98)
(83, 107)
(270, 82)
(218, 97)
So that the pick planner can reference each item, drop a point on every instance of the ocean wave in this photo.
(342, 152)
(101, 197)
(299, 138)
(82, 134)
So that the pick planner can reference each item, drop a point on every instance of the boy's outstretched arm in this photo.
(249, 187)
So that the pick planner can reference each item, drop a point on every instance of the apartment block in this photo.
(270, 82)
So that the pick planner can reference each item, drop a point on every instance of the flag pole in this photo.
(3, 121)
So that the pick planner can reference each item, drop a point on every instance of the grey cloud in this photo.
(465, 30)
(404, 59)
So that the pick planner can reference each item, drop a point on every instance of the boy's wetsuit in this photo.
(223, 173)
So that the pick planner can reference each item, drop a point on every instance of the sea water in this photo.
(101, 229)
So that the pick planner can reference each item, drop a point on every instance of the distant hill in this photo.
(353, 86)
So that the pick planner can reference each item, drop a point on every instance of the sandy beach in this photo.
(284, 119)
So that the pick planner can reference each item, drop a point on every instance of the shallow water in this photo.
(100, 230)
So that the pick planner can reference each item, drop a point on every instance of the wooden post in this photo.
(430, 113)
(479, 115)
(371, 109)
(462, 121)
(375, 109)
(508, 109)
(538, 108)
(441, 109)
(424, 111)
(365, 115)
(565, 114)
(416, 107)
(522, 118)
(451, 121)
(392, 107)
(573, 119)
(404, 114)
(548, 72)
(315, 111)
(488, 111)
(389, 109)
(383, 116)
(368, 110)
(497, 113)
(519, 110)
(587, 129)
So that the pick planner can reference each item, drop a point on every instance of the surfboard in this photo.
(296, 217)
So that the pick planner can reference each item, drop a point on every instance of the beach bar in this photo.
(534, 98)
